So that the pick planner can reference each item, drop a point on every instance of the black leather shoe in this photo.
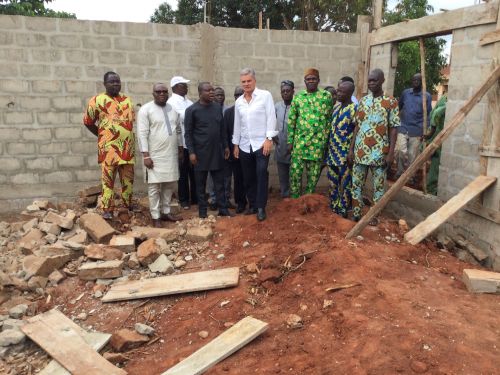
(212, 207)
(251, 211)
(225, 213)
(240, 209)
(202, 215)
(261, 214)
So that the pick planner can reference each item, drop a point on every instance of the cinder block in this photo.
(105, 27)
(279, 65)
(127, 44)
(17, 118)
(84, 147)
(143, 58)
(53, 148)
(46, 86)
(9, 134)
(25, 178)
(225, 33)
(37, 134)
(37, 70)
(6, 38)
(8, 70)
(465, 148)
(14, 85)
(40, 55)
(320, 52)
(88, 175)
(10, 164)
(34, 103)
(111, 57)
(73, 26)
(259, 36)
(134, 71)
(57, 177)
(71, 72)
(74, 132)
(344, 53)
(67, 102)
(160, 74)
(31, 40)
(459, 181)
(281, 36)
(140, 88)
(41, 24)
(77, 118)
(65, 41)
(8, 22)
(70, 161)
(306, 37)
(170, 30)
(157, 45)
(258, 64)
(11, 54)
(184, 46)
(240, 49)
(96, 43)
(267, 50)
(39, 163)
(79, 56)
(80, 87)
(138, 29)
(18, 148)
(352, 39)
(291, 50)
(53, 118)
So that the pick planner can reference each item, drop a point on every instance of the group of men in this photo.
(184, 143)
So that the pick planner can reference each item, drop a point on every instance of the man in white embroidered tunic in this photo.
(160, 142)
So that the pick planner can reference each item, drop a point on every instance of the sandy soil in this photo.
(410, 313)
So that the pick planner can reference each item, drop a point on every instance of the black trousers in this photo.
(255, 177)
(234, 169)
(201, 184)
(186, 185)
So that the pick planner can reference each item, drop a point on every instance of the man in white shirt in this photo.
(186, 186)
(159, 132)
(254, 129)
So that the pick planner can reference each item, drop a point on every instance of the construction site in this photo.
(304, 292)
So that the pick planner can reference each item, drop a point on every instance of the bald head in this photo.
(160, 93)
(375, 81)
(344, 92)
(416, 82)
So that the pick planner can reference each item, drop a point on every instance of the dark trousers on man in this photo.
(201, 184)
(255, 177)
(233, 169)
(186, 185)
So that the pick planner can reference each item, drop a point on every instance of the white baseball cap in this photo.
(178, 79)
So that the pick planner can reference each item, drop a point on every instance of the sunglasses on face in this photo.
(161, 92)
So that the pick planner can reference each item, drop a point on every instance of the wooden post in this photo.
(427, 153)
(424, 106)
(378, 8)
(260, 20)
(268, 23)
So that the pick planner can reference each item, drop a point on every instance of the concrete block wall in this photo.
(49, 68)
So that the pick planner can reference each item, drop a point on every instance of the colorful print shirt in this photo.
(308, 123)
(375, 117)
(114, 118)
(341, 130)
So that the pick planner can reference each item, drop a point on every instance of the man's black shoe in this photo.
(231, 206)
(261, 214)
(240, 209)
(251, 211)
(202, 215)
(225, 213)
(212, 207)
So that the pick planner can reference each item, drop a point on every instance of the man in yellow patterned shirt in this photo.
(110, 116)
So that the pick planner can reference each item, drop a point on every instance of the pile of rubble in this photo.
(51, 245)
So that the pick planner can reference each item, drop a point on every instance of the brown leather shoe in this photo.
(157, 223)
(171, 217)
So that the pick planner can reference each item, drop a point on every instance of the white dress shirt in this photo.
(180, 103)
(254, 121)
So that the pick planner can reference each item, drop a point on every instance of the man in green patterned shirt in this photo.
(308, 125)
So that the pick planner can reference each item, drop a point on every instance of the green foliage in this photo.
(34, 8)
(409, 52)
(318, 15)
(164, 14)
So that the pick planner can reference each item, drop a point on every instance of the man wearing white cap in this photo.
(186, 185)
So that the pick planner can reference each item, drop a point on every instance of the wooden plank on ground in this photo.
(447, 210)
(220, 348)
(59, 337)
(96, 340)
(479, 281)
(427, 152)
(166, 285)
(437, 24)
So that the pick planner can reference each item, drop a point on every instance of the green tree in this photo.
(409, 52)
(34, 8)
(164, 14)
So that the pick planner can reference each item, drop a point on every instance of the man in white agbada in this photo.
(160, 142)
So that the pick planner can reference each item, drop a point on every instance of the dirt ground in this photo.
(410, 314)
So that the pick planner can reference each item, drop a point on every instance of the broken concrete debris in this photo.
(110, 269)
(96, 227)
(144, 329)
(126, 339)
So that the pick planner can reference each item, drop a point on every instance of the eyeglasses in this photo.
(161, 91)
(287, 82)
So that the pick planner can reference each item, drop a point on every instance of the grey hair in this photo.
(247, 72)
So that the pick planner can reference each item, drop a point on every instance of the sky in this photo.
(140, 11)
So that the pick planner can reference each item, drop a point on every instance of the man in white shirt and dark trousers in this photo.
(254, 129)
(159, 132)
(186, 186)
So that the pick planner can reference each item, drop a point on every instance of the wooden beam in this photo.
(489, 151)
(484, 212)
(491, 37)
(426, 227)
(56, 334)
(427, 153)
(437, 24)
(220, 348)
(365, 56)
(378, 10)
(479, 281)
(167, 285)
(424, 108)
